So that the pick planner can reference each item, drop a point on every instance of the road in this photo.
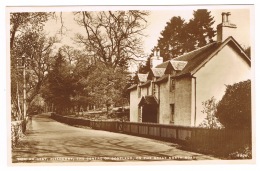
(49, 141)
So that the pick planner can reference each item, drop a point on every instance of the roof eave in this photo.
(194, 71)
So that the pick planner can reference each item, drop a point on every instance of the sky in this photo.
(159, 16)
(5, 74)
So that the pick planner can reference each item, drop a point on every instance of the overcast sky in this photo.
(159, 15)
(240, 15)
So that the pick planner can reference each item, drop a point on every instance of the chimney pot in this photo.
(158, 51)
(223, 17)
(154, 51)
(225, 29)
(228, 14)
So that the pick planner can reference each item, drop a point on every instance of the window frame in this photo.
(172, 112)
(172, 84)
(139, 92)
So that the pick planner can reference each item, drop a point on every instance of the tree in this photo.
(200, 29)
(106, 85)
(37, 49)
(173, 39)
(26, 38)
(211, 120)
(20, 22)
(145, 68)
(179, 37)
(114, 37)
(60, 87)
(234, 109)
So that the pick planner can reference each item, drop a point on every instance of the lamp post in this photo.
(24, 86)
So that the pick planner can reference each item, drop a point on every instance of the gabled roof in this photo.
(175, 66)
(148, 100)
(132, 87)
(190, 63)
(157, 72)
(163, 65)
(196, 57)
(147, 83)
(178, 65)
(142, 77)
(199, 57)
(162, 79)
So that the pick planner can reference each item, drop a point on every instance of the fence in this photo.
(16, 132)
(207, 140)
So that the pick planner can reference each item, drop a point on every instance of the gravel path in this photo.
(50, 141)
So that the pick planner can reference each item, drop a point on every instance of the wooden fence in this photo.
(209, 140)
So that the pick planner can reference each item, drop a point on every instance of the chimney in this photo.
(156, 59)
(226, 28)
(158, 52)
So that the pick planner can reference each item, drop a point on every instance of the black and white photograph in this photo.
(124, 84)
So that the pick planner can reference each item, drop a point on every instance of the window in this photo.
(153, 89)
(172, 86)
(140, 114)
(139, 92)
(159, 92)
(172, 112)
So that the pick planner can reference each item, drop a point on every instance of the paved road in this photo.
(50, 141)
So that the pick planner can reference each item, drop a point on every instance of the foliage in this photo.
(244, 152)
(107, 85)
(27, 38)
(234, 109)
(211, 120)
(172, 42)
(145, 68)
(60, 85)
(114, 37)
(36, 106)
(77, 81)
(24, 21)
(179, 37)
(200, 29)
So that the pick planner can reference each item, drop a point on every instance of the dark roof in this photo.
(145, 84)
(162, 79)
(162, 65)
(196, 57)
(132, 87)
(142, 77)
(199, 57)
(148, 100)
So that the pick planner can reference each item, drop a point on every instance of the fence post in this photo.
(148, 131)
(160, 130)
(177, 134)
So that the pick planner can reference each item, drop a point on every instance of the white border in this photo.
(3, 126)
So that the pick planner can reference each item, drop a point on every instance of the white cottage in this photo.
(173, 91)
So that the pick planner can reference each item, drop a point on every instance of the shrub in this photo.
(234, 109)
(211, 121)
(242, 153)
